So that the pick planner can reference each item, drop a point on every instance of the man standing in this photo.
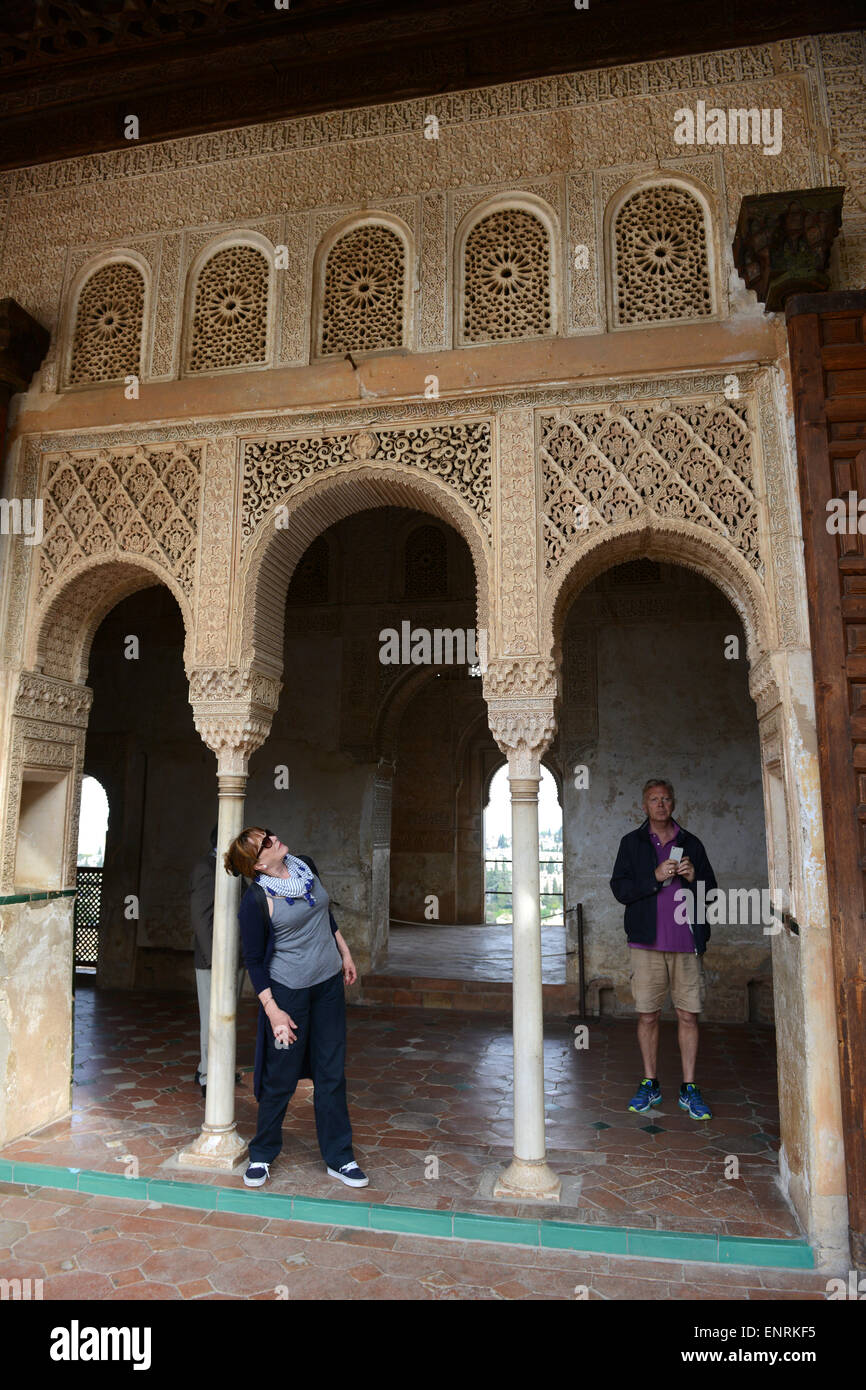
(201, 895)
(653, 866)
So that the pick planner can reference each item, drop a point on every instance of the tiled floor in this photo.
(467, 953)
(108, 1249)
(436, 1084)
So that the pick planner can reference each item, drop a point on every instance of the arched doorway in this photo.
(779, 684)
(655, 683)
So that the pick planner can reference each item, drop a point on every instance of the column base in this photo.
(214, 1149)
(528, 1180)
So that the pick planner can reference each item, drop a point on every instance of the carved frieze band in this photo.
(55, 701)
(458, 454)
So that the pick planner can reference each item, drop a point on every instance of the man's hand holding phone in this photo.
(666, 870)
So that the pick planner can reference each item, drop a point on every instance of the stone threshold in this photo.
(684, 1246)
(37, 897)
(461, 996)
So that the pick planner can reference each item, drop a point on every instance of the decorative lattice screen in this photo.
(106, 344)
(230, 317)
(506, 282)
(89, 884)
(425, 564)
(362, 303)
(661, 271)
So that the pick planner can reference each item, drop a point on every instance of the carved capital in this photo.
(534, 676)
(232, 734)
(524, 731)
(233, 710)
(55, 701)
(219, 684)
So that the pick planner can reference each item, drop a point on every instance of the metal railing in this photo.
(506, 892)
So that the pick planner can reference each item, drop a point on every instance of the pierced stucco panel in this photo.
(457, 454)
(140, 500)
(506, 278)
(109, 321)
(229, 322)
(363, 294)
(660, 264)
(689, 460)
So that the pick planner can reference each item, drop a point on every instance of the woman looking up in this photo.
(297, 961)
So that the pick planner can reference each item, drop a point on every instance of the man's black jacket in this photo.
(634, 883)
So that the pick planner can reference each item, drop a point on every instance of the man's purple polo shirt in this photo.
(671, 935)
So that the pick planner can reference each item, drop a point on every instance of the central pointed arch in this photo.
(312, 507)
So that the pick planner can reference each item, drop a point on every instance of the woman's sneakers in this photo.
(350, 1174)
(257, 1174)
(648, 1093)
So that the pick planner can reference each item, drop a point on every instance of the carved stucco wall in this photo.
(571, 140)
(672, 462)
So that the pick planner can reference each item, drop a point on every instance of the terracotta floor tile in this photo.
(108, 1257)
(78, 1286)
(145, 1292)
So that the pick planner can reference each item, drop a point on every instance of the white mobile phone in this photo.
(676, 854)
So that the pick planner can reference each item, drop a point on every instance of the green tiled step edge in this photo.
(38, 897)
(556, 1235)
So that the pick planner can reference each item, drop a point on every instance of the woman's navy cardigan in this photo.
(257, 946)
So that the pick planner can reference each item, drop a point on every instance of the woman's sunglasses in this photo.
(269, 839)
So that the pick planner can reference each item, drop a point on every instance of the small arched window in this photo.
(109, 319)
(362, 294)
(229, 321)
(507, 281)
(660, 257)
(425, 564)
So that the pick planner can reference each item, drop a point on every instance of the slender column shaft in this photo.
(219, 1145)
(526, 936)
(528, 1174)
(222, 1026)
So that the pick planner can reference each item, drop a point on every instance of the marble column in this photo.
(524, 732)
(233, 733)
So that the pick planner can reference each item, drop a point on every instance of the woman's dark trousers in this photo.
(320, 1015)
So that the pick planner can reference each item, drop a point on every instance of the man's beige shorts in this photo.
(653, 973)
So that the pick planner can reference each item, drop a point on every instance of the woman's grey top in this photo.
(305, 952)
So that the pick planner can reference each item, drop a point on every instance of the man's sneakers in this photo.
(350, 1174)
(648, 1093)
(257, 1174)
(692, 1101)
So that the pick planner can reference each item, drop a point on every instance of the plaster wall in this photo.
(35, 1014)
